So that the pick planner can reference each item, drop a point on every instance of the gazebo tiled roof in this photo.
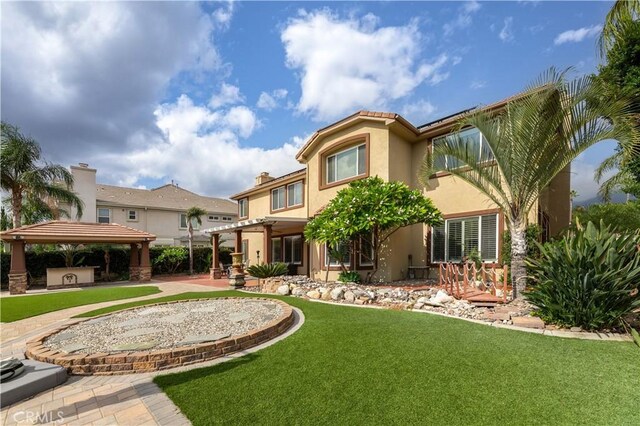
(63, 232)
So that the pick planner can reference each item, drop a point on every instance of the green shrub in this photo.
(170, 258)
(590, 279)
(621, 217)
(349, 277)
(267, 270)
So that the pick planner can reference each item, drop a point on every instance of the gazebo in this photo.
(64, 232)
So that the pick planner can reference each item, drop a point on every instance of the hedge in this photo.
(38, 262)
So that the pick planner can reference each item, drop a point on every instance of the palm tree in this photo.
(526, 146)
(193, 214)
(622, 13)
(26, 180)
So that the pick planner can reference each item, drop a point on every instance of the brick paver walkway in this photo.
(100, 400)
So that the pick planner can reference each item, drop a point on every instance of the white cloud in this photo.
(463, 19)
(506, 34)
(349, 64)
(477, 84)
(199, 147)
(228, 95)
(270, 101)
(418, 112)
(575, 36)
(85, 77)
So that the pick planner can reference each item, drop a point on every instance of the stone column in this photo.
(266, 235)
(215, 271)
(134, 264)
(236, 279)
(18, 272)
(145, 262)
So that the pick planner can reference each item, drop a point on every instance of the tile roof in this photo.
(269, 183)
(169, 197)
(60, 231)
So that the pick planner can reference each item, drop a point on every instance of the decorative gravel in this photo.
(166, 326)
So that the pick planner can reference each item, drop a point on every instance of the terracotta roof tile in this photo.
(59, 231)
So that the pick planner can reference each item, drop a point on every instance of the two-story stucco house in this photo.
(273, 213)
(159, 211)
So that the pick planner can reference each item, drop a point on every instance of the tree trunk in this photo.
(190, 251)
(16, 208)
(518, 253)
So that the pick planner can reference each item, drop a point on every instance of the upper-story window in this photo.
(243, 208)
(346, 164)
(183, 222)
(227, 218)
(475, 141)
(294, 194)
(212, 218)
(104, 215)
(132, 215)
(278, 198)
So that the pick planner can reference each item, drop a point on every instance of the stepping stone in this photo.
(173, 319)
(192, 340)
(135, 346)
(65, 335)
(528, 322)
(96, 321)
(497, 316)
(134, 321)
(150, 311)
(139, 332)
(74, 347)
(239, 317)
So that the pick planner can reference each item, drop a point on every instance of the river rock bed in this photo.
(165, 326)
(425, 296)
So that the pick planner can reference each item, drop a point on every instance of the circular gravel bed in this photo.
(163, 335)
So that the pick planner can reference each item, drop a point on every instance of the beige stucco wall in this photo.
(556, 201)
(260, 204)
(84, 185)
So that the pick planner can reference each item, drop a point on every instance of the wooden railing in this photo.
(460, 280)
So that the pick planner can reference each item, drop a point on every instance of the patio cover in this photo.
(65, 232)
(257, 225)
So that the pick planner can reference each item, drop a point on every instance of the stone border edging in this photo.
(555, 333)
(146, 361)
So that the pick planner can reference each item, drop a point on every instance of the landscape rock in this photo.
(337, 293)
(313, 294)
(298, 291)
(442, 298)
(283, 290)
(326, 295)
(349, 296)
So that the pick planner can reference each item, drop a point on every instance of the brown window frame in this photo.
(343, 145)
(281, 238)
(286, 197)
(246, 200)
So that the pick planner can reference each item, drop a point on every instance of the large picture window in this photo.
(342, 252)
(457, 238)
(287, 249)
(475, 142)
(346, 164)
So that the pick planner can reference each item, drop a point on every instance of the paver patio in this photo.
(98, 400)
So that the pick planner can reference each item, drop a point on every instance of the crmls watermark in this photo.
(35, 417)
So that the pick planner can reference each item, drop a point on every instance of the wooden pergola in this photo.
(64, 232)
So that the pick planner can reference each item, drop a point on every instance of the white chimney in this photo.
(84, 184)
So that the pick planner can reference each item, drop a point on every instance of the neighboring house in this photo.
(159, 211)
(274, 212)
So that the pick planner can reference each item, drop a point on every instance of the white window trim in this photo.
(446, 238)
(337, 262)
(335, 154)
(98, 214)
(481, 144)
(243, 202)
(135, 219)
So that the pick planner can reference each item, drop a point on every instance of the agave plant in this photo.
(590, 279)
(266, 270)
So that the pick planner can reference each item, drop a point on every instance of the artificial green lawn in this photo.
(17, 308)
(349, 365)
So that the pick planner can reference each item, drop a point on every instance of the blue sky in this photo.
(211, 94)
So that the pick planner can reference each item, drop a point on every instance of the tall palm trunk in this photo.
(518, 253)
(190, 250)
(16, 208)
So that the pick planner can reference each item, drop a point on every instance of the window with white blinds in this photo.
(458, 238)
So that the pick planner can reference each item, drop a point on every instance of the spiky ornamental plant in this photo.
(533, 139)
(193, 214)
(27, 179)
